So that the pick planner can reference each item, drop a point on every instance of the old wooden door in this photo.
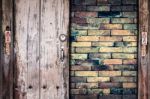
(39, 30)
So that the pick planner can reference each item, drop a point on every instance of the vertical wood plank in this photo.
(27, 49)
(6, 66)
(54, 75)
(149, 51)
(143, 61)
(1, 77)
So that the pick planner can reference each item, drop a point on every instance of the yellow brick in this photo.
(98, 79)
(86, 73)
(102, 43)
(110, 49)
(122, 20)
(87, 38)
(129, 85)
(123, 56)
(86, 85)
(81, 44)
(130, 49)
(130, 38)
(79, 56)
(112, 61)
(122, 32)
(111, 26)
(108, 38)
(109, 73)
(132, 44)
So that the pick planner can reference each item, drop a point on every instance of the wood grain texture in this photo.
(148, 52)
(27, 49)
(54, 72)
(41, 74)
(1, 77)
(6, 78)
(143, 61)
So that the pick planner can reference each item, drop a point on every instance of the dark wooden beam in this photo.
(143, 61)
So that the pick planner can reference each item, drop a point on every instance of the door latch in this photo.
(144, 44)
(62, 56)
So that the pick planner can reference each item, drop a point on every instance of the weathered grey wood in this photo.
(6, 64)
(54, 71)
(143, 62)
(27, 49)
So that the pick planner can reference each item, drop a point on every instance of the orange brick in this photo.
(129, 85)
(98, 79)
(108, 38)
(85, 14)
(110, 49)
(81, 44)
(111, 26)
(112, 61)
(130, 61)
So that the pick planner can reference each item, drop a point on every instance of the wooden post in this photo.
(148, 51)
(143, 53)
(6, 66)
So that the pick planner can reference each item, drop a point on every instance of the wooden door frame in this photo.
(143, 62)
(6, 69)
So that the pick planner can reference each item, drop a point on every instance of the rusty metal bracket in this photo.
(7, 35)
(144, 44)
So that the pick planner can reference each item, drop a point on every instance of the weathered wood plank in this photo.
(1, 77)
(54, 70)
(7, 67)
(149, 52)
(27, 46)
(143, 61)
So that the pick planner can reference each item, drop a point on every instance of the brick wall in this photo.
(103, 49)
